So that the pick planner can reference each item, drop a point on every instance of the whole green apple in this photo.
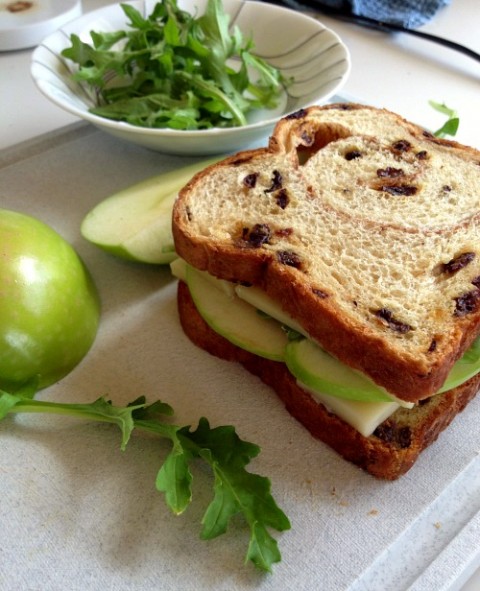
(49, 306)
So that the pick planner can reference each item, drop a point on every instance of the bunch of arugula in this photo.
(173, 70)
(236, 491)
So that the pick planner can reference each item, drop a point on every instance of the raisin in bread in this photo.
(364, 227)
(388, 453)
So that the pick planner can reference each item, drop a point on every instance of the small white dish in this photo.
(300, 46)
(24, 24)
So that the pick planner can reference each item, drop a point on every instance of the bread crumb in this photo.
(340, 502)
(373, 512)
(437, 525)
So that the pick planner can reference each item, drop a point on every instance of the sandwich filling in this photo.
(251, 320)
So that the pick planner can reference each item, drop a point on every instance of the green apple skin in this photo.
(318, 370)
(49, 306)
(321, 372)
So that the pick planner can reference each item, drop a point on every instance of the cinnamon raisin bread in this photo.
(363, 226)
(388, 453)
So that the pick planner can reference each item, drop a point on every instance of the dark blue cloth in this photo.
(409, 13)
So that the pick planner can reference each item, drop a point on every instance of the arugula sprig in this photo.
(174, 70)
(450, 127)
(236, 491)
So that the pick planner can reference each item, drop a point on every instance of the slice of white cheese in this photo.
(362, 416)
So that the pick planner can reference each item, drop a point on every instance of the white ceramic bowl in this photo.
(300, 46)
(28, 24)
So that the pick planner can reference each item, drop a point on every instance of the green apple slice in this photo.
(318, 370)
(135, 224)
(236, 320)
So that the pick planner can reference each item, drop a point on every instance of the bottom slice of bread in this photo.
(388, 453)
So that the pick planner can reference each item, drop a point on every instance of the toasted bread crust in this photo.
(385, 455)
(383, 312)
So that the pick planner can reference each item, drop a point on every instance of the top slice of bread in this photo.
(364, 227)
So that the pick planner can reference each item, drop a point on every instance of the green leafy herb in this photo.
(173, 70)
(236, 491)
(292, 334)
(450, 127)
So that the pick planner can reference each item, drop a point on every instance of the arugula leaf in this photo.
(450, 127)
(7, 402)
(136, 19)
(171, 61)
(236, 491)
(174, 477)
(292, 334)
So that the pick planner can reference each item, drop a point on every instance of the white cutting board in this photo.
(78, 514)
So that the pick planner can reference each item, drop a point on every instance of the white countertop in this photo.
(399, 72)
